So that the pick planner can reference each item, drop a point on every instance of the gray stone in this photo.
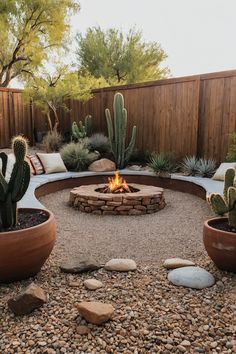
(191, 277)
(172, 263)
(78, 265)
(121, 265)
(93, 284)
(27, 300)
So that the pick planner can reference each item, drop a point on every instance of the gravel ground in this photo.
(151, 315)
(174, 231)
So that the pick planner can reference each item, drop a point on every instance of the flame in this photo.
(117, 182)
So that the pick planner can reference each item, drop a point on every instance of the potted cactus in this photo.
(219, 234)
(27, 236)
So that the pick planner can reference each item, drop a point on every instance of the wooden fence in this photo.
(189, 115)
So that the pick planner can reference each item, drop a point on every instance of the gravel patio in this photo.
(151, 315)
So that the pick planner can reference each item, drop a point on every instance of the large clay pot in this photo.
(23, 252)
(220, 245)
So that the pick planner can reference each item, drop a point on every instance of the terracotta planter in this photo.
(23, 252)
(220, 245)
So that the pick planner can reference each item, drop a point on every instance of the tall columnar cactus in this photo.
(80, 131)
(226, 203)
(117, 133)
(11, 192)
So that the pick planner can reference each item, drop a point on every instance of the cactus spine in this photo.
(11, 192)
(117, 134)
(226, 203)
(80, 131)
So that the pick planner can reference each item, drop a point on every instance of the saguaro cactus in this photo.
(226, 203)
(117, 134)
(11, 192)
(80, 131)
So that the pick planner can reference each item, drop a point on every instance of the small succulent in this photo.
(206, 168)
(190, 165)
(163, 162)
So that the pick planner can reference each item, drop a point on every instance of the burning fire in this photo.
(117, 184)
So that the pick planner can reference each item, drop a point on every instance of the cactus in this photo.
(80, 131)
(11, 192)
(117, 135)
(226, 203)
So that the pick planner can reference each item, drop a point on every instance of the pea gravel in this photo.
(151, 315)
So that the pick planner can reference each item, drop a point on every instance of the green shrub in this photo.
(206, 168)
(77, 156)
(139, 156)
(231, 155)
(99, 142)
(190, 165)
(163, 162)
(52, 142)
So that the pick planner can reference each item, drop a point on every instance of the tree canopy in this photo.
(120, 58)
(29, 30)
(50, 92)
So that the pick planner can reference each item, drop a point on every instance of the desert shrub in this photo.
(52, 141)
(190, 165)
(231, 155)
(139, 156)
(99, 142)
(77, 156)
(163, 162)
(206, 168)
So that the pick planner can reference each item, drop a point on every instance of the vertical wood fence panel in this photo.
(189, 115)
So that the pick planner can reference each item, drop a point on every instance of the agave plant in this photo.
(190, 165)
(206, 167)
(163, 162)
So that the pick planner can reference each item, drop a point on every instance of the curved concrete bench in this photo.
(44, 184)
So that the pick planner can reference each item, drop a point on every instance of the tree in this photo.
(119, 58)
(49, 92)
(29, 30)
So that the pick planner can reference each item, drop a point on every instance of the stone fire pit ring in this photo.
(147, 200)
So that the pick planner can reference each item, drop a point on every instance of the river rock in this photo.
(191, 277)
(121, 265)
(95, 312)
(27, 300)
(78, 265)
(172, 263)
(93, 284)
(102, 165)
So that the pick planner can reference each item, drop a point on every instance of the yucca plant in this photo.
(163, 162)
(206, 167)
(77, 156)
(190, 165)
(226, 204)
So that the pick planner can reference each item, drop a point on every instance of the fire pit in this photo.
(117, 197)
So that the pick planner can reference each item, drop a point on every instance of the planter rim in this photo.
(49, 219)
(206, 224)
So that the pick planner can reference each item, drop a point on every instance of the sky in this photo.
(197, 35)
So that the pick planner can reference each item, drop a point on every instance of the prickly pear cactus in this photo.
(13, 191)
(226, 204)
(117, 132)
